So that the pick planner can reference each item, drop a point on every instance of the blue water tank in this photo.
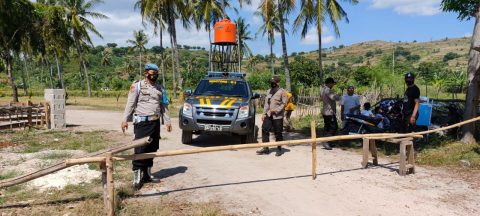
(424, 114)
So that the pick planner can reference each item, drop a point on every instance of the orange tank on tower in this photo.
(225, 32)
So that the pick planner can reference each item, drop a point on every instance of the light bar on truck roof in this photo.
(226, 74)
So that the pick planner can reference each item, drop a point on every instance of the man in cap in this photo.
(146, 103)
(274, 109)
(411, 101)
(329, 110)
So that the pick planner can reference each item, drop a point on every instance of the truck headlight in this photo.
(187, 110)
(243, 112)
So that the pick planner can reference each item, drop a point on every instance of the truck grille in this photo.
(218, 122)
(212, 112)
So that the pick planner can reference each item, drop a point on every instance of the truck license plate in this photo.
(212, 127)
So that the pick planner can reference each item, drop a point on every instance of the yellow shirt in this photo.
(290, 106)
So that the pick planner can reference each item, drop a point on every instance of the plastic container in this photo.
(424, 114)
(225, 32)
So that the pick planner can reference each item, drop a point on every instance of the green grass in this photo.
(450, 154)
(8, 174)
(303, 124)
(38, 140)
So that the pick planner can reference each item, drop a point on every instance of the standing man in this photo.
(411, 101)
(145, 105)
(350, 104)
(329, 110)
(274, 109)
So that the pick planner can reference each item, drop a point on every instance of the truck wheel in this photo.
(186, 137)
(248, 138)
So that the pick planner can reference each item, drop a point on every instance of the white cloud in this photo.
(311, 38)
(410, 7)
(120, 26)
(468, 34)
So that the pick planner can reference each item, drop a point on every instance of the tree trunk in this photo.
(51, 74)
(162, 64)
(9, 62)
(140, 63)
(320, 65)
(82, 64)
(284, 49)
(24, 82)
(174, 81)
(473, 84)
(210, 50)
(59, 72)
(173, 34)
(89, 91)
(271, 55)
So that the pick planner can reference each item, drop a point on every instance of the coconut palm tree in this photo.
(271, 24)
(243, 37)
(171, 10)
(316, 12)
(139, 41)
(77, 14)
(55, 34)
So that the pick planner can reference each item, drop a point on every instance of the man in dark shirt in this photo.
(411, 100)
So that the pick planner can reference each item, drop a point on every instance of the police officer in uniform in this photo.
(146, 104)
(274, 109)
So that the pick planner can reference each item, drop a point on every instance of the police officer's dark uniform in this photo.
(274, 109)
(411, 100)
(145, 105)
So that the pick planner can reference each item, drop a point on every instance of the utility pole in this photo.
(393, 60)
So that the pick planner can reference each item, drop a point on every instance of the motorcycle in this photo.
(359, 124)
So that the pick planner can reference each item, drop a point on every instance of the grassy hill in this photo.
(434, 51)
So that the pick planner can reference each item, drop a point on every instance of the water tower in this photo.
(225, 53)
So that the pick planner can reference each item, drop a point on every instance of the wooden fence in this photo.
(18, 115)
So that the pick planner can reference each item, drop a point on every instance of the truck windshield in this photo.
(232, 88)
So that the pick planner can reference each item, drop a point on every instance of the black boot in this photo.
(137, 179)
(148, 177)
(326, 146)
(264, 150)
(279, 151)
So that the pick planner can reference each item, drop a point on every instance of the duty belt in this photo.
(137, 119)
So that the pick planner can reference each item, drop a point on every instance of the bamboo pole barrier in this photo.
(63, 165)
(110, 184)
(222, 148)
(270, 144)
(314, 149)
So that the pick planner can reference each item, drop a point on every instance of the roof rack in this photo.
(226, 74)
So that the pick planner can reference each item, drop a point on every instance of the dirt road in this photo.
(248, 184)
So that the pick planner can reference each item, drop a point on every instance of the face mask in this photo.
(273, 84)
(409, 83)
(152, 77)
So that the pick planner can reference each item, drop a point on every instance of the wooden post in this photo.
(373, 150)
(411, 157)
(110, 185)
(29, 117)
(103, 168)
(314, 149)
(403, 158)
(366, 146)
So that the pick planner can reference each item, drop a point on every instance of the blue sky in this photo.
(388, 20)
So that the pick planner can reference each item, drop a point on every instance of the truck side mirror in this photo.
(255, 96)
(188, 92)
